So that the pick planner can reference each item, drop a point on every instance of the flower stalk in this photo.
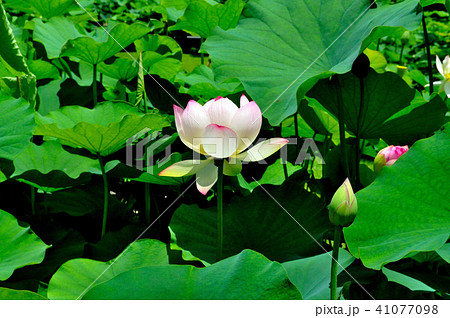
(341, 120)
(427, 45)
(219, 210)
(94, 84)
(105, 195)
(335, 262)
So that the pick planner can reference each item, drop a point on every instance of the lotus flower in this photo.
(219, 130)
(343, 205)
(444, 69)
(388, 156)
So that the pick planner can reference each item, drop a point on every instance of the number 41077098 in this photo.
(407, 309)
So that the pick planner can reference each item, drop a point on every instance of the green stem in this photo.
(65, 67)
(358, 129)
(378, 44)
(334, 262)
(401, 54)
(219, 210)
(297, 136)
(33, 201)
(427, 45)
(283, 160)
(105, 194)
(342, 127)
(147, 203)
(94, 84)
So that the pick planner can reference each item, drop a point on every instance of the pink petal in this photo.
(178, 111)
(194, 121)
(263, 149)
(221, 111)
(246, 124)
(244, 101)
(219, 141)
(206, 178)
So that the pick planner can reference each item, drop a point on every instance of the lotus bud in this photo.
(343, 206)
(388, 156)
(405, 37)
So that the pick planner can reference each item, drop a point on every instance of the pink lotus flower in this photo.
(388, 156)
(221, 130)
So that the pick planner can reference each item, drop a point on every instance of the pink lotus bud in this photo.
(343, 206)
(387, 156)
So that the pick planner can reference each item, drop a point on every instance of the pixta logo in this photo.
(142, 148)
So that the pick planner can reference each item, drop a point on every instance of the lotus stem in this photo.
(219, 211)
(283, 160)
(342, 126)
(427, 46)
(358, 132)
(334, 262)
(105, 195)
(94, 84)
(401, 54)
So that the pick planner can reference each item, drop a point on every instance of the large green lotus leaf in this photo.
(274, 174)
(248, 275)
(102, 130)
(77, 276)
(19, 5)
(155, 63)
(9, 50)
(16, 125)
(15, 78)
(43, 69)
(312, 275)
(406, 208)
(390, 110)
(20, 246)
(121, 69)
(444, 252)
(200, 82)
(12, 294)
(96, 49)
(402, 279)
(23, 86)
(256, 222)
(54, 33)
(284, 44)
(49, 9)
(49, 165)
(49, 100)
(164, 45)
(201, 17)
(425, 3)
